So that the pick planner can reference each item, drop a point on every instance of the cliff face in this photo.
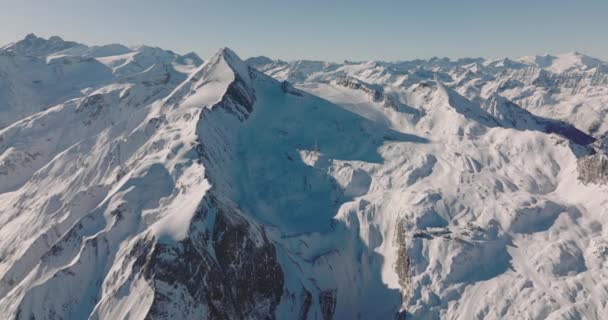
(230, 271)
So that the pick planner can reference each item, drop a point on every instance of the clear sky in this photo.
(322, 29)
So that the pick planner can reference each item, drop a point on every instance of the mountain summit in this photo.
(32, 45)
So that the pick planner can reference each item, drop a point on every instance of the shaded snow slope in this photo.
(453, 219)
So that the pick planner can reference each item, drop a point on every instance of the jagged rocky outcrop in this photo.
(402, 263)
(229, 271)
(375, 94)
(593, 169)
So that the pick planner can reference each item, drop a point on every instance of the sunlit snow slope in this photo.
(136, 183)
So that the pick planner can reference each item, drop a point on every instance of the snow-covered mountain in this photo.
(40, 73)
(136, 183)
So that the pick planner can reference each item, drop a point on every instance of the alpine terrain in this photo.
(137, 183)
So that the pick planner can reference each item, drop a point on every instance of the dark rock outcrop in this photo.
(230, 268)
(593, 169)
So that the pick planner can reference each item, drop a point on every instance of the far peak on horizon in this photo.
(35, 45)
(339, 30)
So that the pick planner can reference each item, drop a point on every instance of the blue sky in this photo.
(328, 30)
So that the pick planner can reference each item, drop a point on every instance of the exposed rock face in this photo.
(228, 272)
(306, 303)
(375, 94)
(327, 300)
(402, 263)
(239, 99)
(593, 169)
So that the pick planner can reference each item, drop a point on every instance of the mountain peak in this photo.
(32, 45)
(213, 79)
(259, 61)
(192, 57)
(56, 39)
(31, 37)
(562, 62)
(232, 60)
(225, 51)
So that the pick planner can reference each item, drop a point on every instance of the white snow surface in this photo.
(432, 189)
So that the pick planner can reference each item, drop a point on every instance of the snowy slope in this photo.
(488, 220)
(569, 87)
(39, 73)
(141, 184)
